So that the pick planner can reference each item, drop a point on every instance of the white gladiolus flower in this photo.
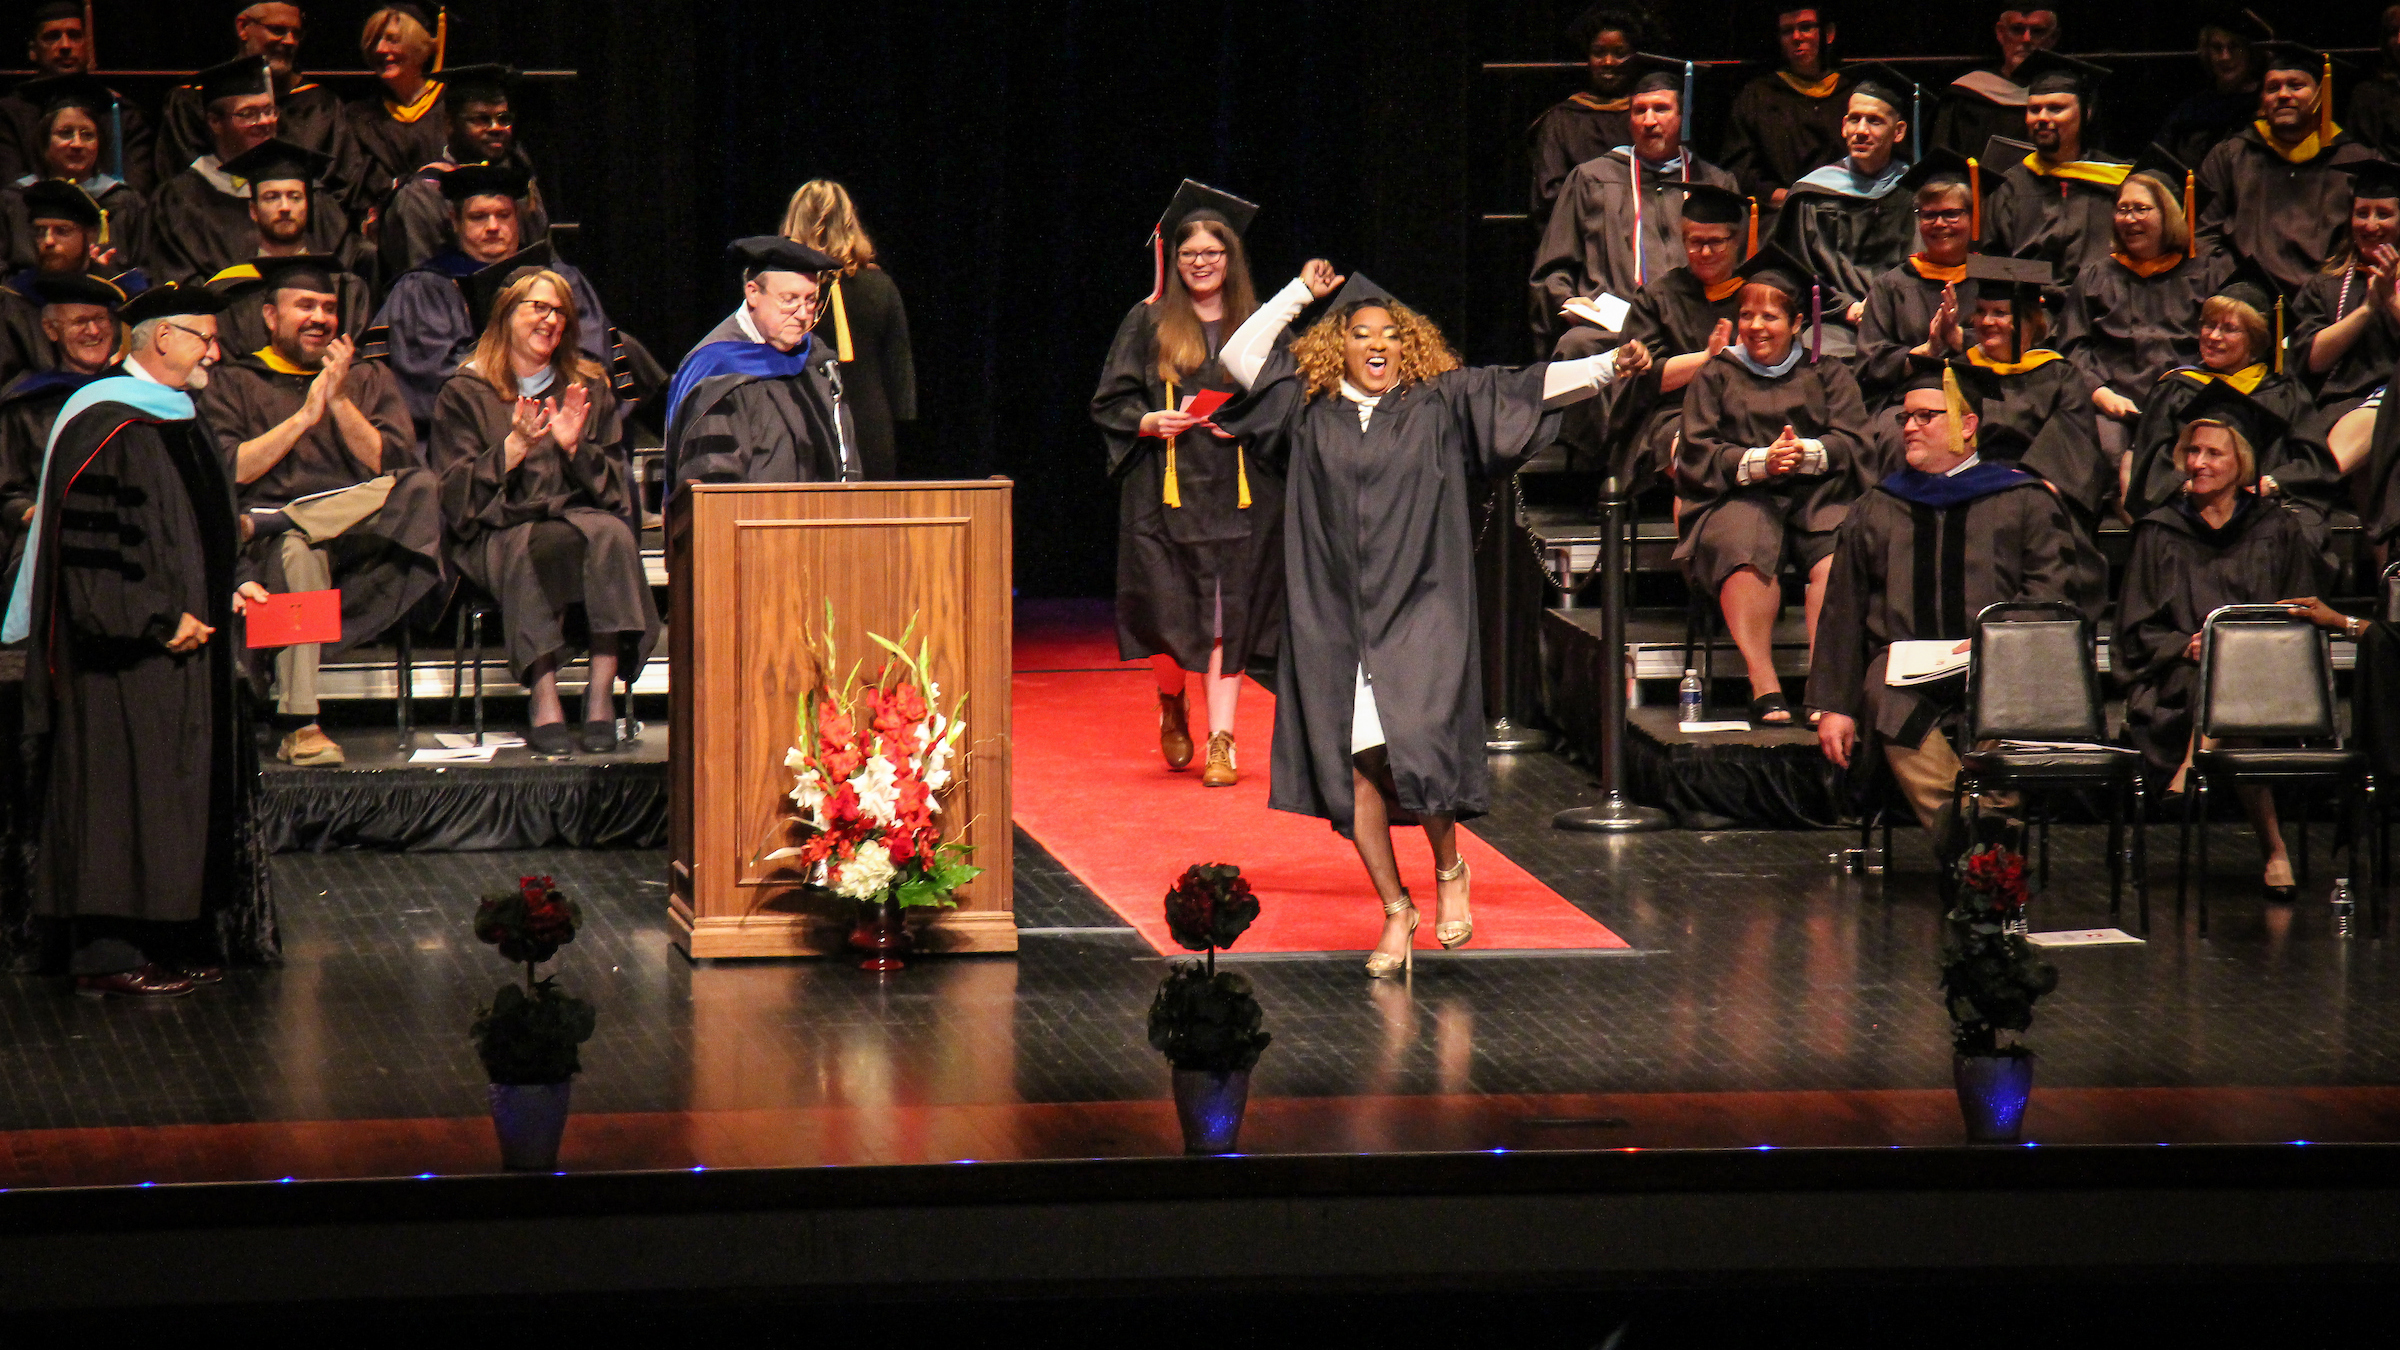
(808, 792)
(878, 788)
(867, 874)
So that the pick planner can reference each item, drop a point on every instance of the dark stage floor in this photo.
(1769, 998)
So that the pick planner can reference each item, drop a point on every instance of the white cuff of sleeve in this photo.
(1244, 354)
(1753, 466)
(1565, 382)
(1812, 456)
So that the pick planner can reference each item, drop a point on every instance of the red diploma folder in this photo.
(295, 617)
(1205, 403)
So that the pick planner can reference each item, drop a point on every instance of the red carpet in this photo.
(1090, 786)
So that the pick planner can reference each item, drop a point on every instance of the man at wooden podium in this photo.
(760, 399)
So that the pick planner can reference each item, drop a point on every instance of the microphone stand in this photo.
(841, 432)
(1613, 814)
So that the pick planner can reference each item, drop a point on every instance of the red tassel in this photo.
(1158, 267)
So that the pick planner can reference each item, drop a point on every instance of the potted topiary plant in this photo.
(528, 1037)
(1205, 1023)
(1990, 980)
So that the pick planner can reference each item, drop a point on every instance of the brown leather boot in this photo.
(1174, 731)
(1220, 771)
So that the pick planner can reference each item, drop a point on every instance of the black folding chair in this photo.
(2266, 675)
(2033, 674)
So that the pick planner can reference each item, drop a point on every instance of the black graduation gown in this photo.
(1847, 241)
(739, 427)
(1969, 119)
(431, 333)
(1578, 128)
(1587, 248)
(2179, 572)
(1177, 565)
(1900, 309)
(308, 115)
(23, 142)
(2124, 330)
(2195, 126)
(2040, 419)
(1673, 316)
(147, 772)
(124, 207)
(1775, 133)
(415, 223)
(492, 511)
(1904, 571)
(28, 405)
(879, 382)
(389, 148)
(1380, 573)
(2327, 299)
(384, 564)
(2374, 116)
(2072, 220)
(2298, 461)
(2284, 219)
(1727, 411)
(194, 229)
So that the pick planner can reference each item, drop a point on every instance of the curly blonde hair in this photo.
(1424, 352)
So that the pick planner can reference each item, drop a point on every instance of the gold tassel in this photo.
(1241, 478)
(1974, 200)
(841, 326)
(103, 227)
(2325, 105)
(1753, 226)
(1172, 495)
(2279, 335)
(1954, 406)
(2191, 214)
(441, 37)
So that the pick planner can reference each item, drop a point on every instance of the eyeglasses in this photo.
(542, 309)
(1198, 256)
(1956, 215)
(93, 324)
(2135, 212)
(251, 117)
(790, 303)
(1919, 417)
(207, 340)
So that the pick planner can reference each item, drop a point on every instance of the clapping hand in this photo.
(569, 415)
(528, 424)
(1720, 337)
(1320, 278)
(1944, 335)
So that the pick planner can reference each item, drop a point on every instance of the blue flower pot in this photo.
(1210, 1107)
(1992, 1090)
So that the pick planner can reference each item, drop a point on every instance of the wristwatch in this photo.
(2352, 628)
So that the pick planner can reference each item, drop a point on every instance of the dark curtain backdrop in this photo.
(1010, 159)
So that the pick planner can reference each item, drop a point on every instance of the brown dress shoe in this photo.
(1220, 771)
(309, 747)
(150, 981)
(1174, 731)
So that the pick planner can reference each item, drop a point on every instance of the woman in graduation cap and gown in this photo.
(2345, 326)
(1199, 516)
(1851, 221)
(402, 126)
(2135, 314)
(2036, 414)
(534, 497)
(1683, 319)
(1774, 448)
(1379, 710)
(74, 135)
(2218, 542)
(1897, 335)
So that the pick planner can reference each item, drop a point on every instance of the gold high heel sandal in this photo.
(1455, 932)
(1382, 967)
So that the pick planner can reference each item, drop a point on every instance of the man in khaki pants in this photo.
(325, 455)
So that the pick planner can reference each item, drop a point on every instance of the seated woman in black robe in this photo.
(1379, 692)
(402, 126)
(1199, 521)
(2236, 347)
(2345, 324)
(2219, 543)
(534, 501)
(1772, 455)
(75, 144)
(2135, 314)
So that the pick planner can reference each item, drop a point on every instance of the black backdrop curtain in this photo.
(1010, 158)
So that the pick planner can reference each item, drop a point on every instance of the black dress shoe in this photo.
(600, 738)
(555, 738)
(151, 981)
(2281, 895)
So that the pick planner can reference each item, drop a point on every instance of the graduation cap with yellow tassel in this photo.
(2283, 55)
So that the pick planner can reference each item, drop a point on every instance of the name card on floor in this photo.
(454, 754)
(292, 618)
(1703, 728)
(2084, 937)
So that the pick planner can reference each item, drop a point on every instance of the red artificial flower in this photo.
(842, 762)
(841, 807)
(900, 710)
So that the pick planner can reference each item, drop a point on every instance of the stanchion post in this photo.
(1504, 735)
(1614, 814)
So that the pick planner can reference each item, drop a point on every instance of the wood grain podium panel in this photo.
(752, 568)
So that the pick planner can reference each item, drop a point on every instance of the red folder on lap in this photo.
(294, 617)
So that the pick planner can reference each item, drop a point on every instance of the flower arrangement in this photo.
(1203, 1020)
(1990, 975)
(872, 761)
(529, 1033)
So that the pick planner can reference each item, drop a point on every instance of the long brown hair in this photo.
(568, 363)
(822, 216)
(1182, 346)
(1424, 352)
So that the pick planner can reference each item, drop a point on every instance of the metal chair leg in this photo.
(2196, 802)
(2183, 851)
(2141, 852)
(458, 660)
(478, 677)
(407, 691)
(2116, 857)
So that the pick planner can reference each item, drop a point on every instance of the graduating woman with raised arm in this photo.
(1199, 521)
(1379, 694)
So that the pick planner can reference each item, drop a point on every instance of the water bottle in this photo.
(1688, 697)
(2345, 909)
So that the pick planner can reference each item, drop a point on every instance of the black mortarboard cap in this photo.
(1360, 290)
(2281, 55)
(1999, 152)
(1708, 204)
(1771, 266)
(1885, 85)
(2219, 401)
(276, 160)
(2374, 179)
(2161, 163)
(2248, 292)
(317, 272)
(2240, 21)
(476, 83)
(1195, 198)
(58, 199)
(238, 78)
(77, 288)
(2000, 267)
(485, 180)
(169, 299)
(88, 92)
(1936, 165)
(774, 253)
(1653, 73)
(484, 285)
(2047, 72)
(55, 10)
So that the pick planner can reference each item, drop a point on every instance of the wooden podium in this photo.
(751, 568)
